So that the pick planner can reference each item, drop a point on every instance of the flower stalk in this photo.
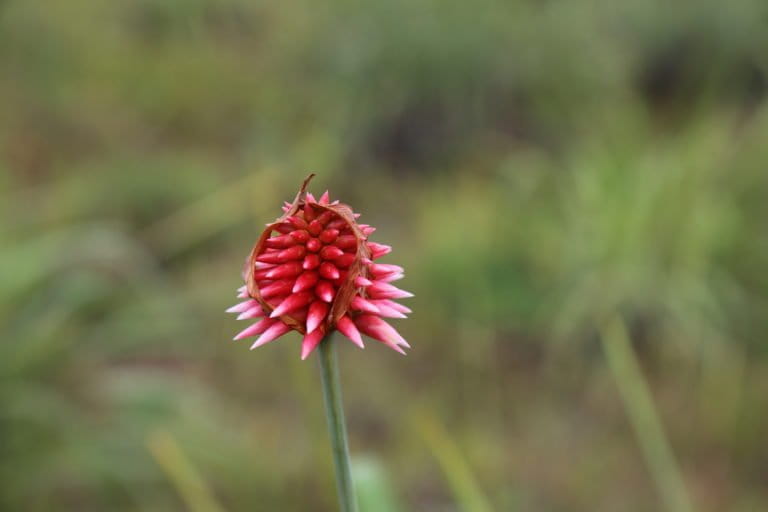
(334, 413)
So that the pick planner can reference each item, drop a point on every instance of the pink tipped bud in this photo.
(311, 197)
(363, 282)
(243, 306)
(286, 206)
(383, 269)
(345, 260)
(329, 236)
(285, 271)
(348, 329)
(300, 235)
(329, 270)
(346, 242)
(257, 328)
(337, 224)
(325, 198)
(275, 331)
(310, 341)
(326, 217)
(314, 245)
(284, 227)
(388, 278)
(325, 291)
(378, 250)
(311, 261)
(277, 288)
(260, 275)
(330, 252)
(386, 310)
(380, 330)
(360, 304)
(292, 303)
(315, 227)
(269, 257)
(380, 290)
(261, 265)
(305, 281)
(394, 305)
(316, 314)
(296, 252)
(366, 229)
(297, 222)
(309, 212)
(280, 242)
(254, 312)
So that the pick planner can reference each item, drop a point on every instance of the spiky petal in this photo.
(385, 310)
(243, 306)
(328, 270)
(285, 271)
(316, 314)
(395, 305)
(378, 250)
(254, 312)
(257, 328)
(275, 331)
(311, 341)
(360, 304)
(346, 326)
(381, 290)
(277, 288)
(362, 281)
(305, 281)
(325, 291)
(384, 269)
(380, 330)
(292, 303)
(311, 261)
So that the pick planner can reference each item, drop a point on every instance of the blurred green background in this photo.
(577, 189)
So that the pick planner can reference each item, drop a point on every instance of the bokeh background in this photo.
(578, 190)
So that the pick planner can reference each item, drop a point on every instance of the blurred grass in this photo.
(459, 476)
(185, 478)
(643, 416)
(538, 167)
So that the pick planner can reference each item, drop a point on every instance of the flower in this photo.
(313, 270)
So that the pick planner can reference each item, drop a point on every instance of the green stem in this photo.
(334, 412)
(643, 416)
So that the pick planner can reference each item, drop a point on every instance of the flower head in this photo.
(313, 271)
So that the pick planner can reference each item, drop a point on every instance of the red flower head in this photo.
(313, 271)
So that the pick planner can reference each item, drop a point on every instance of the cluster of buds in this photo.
(313, 270)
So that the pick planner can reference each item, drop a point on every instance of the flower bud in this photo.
(311, 271)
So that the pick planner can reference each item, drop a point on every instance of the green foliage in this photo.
(537, 166)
